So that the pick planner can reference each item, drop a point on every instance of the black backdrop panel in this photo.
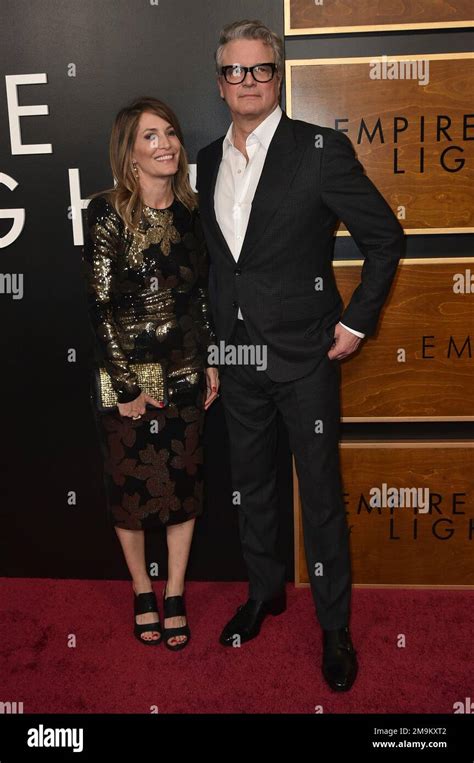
(96, 58)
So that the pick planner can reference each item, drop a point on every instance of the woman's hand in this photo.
(136, 408)
(212, 385)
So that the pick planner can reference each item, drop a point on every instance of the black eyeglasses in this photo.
(235, 73)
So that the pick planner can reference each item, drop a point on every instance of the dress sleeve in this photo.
(200, 308)
(101, 246)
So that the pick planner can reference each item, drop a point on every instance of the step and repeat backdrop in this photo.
(398, 80)
(66, 69)
(410, 117)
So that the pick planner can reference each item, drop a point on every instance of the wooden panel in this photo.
(337, 16)
(430, 325)
(415, 142)
(403, 546)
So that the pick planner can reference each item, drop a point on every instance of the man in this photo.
(271, 194)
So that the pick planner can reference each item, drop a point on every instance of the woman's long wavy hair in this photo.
(125, 195)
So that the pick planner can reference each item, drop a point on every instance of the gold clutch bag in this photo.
(150, 377)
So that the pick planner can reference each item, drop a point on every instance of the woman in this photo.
(146, 269)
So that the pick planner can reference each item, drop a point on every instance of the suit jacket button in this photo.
(237, 272)
(235, 304)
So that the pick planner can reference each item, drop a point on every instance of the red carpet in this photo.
(108, 671)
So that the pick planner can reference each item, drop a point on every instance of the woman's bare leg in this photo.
(179, 538)
(133, 546)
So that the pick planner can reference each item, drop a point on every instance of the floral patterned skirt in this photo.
(153, 467)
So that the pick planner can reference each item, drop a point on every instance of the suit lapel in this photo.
(208, 200)
(277, 174)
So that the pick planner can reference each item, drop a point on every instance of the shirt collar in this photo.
(264, 132)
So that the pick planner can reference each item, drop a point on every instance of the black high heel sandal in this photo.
(174, 607)
(143, 603)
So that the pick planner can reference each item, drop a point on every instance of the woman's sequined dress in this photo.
(147, 300)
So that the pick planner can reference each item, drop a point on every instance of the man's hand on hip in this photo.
(345, 343)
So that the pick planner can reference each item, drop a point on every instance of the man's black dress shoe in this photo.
(339, 659)
(248, 619)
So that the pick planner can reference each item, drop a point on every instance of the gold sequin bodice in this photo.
(147, 293)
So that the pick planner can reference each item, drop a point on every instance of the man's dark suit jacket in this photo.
(302, 193)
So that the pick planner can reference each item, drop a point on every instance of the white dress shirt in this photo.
(237, 181)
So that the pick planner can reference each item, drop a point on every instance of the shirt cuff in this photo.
(353, 331)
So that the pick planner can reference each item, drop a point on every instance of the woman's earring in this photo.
(135, 168)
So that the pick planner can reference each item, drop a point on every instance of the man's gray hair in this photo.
(250, 30)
